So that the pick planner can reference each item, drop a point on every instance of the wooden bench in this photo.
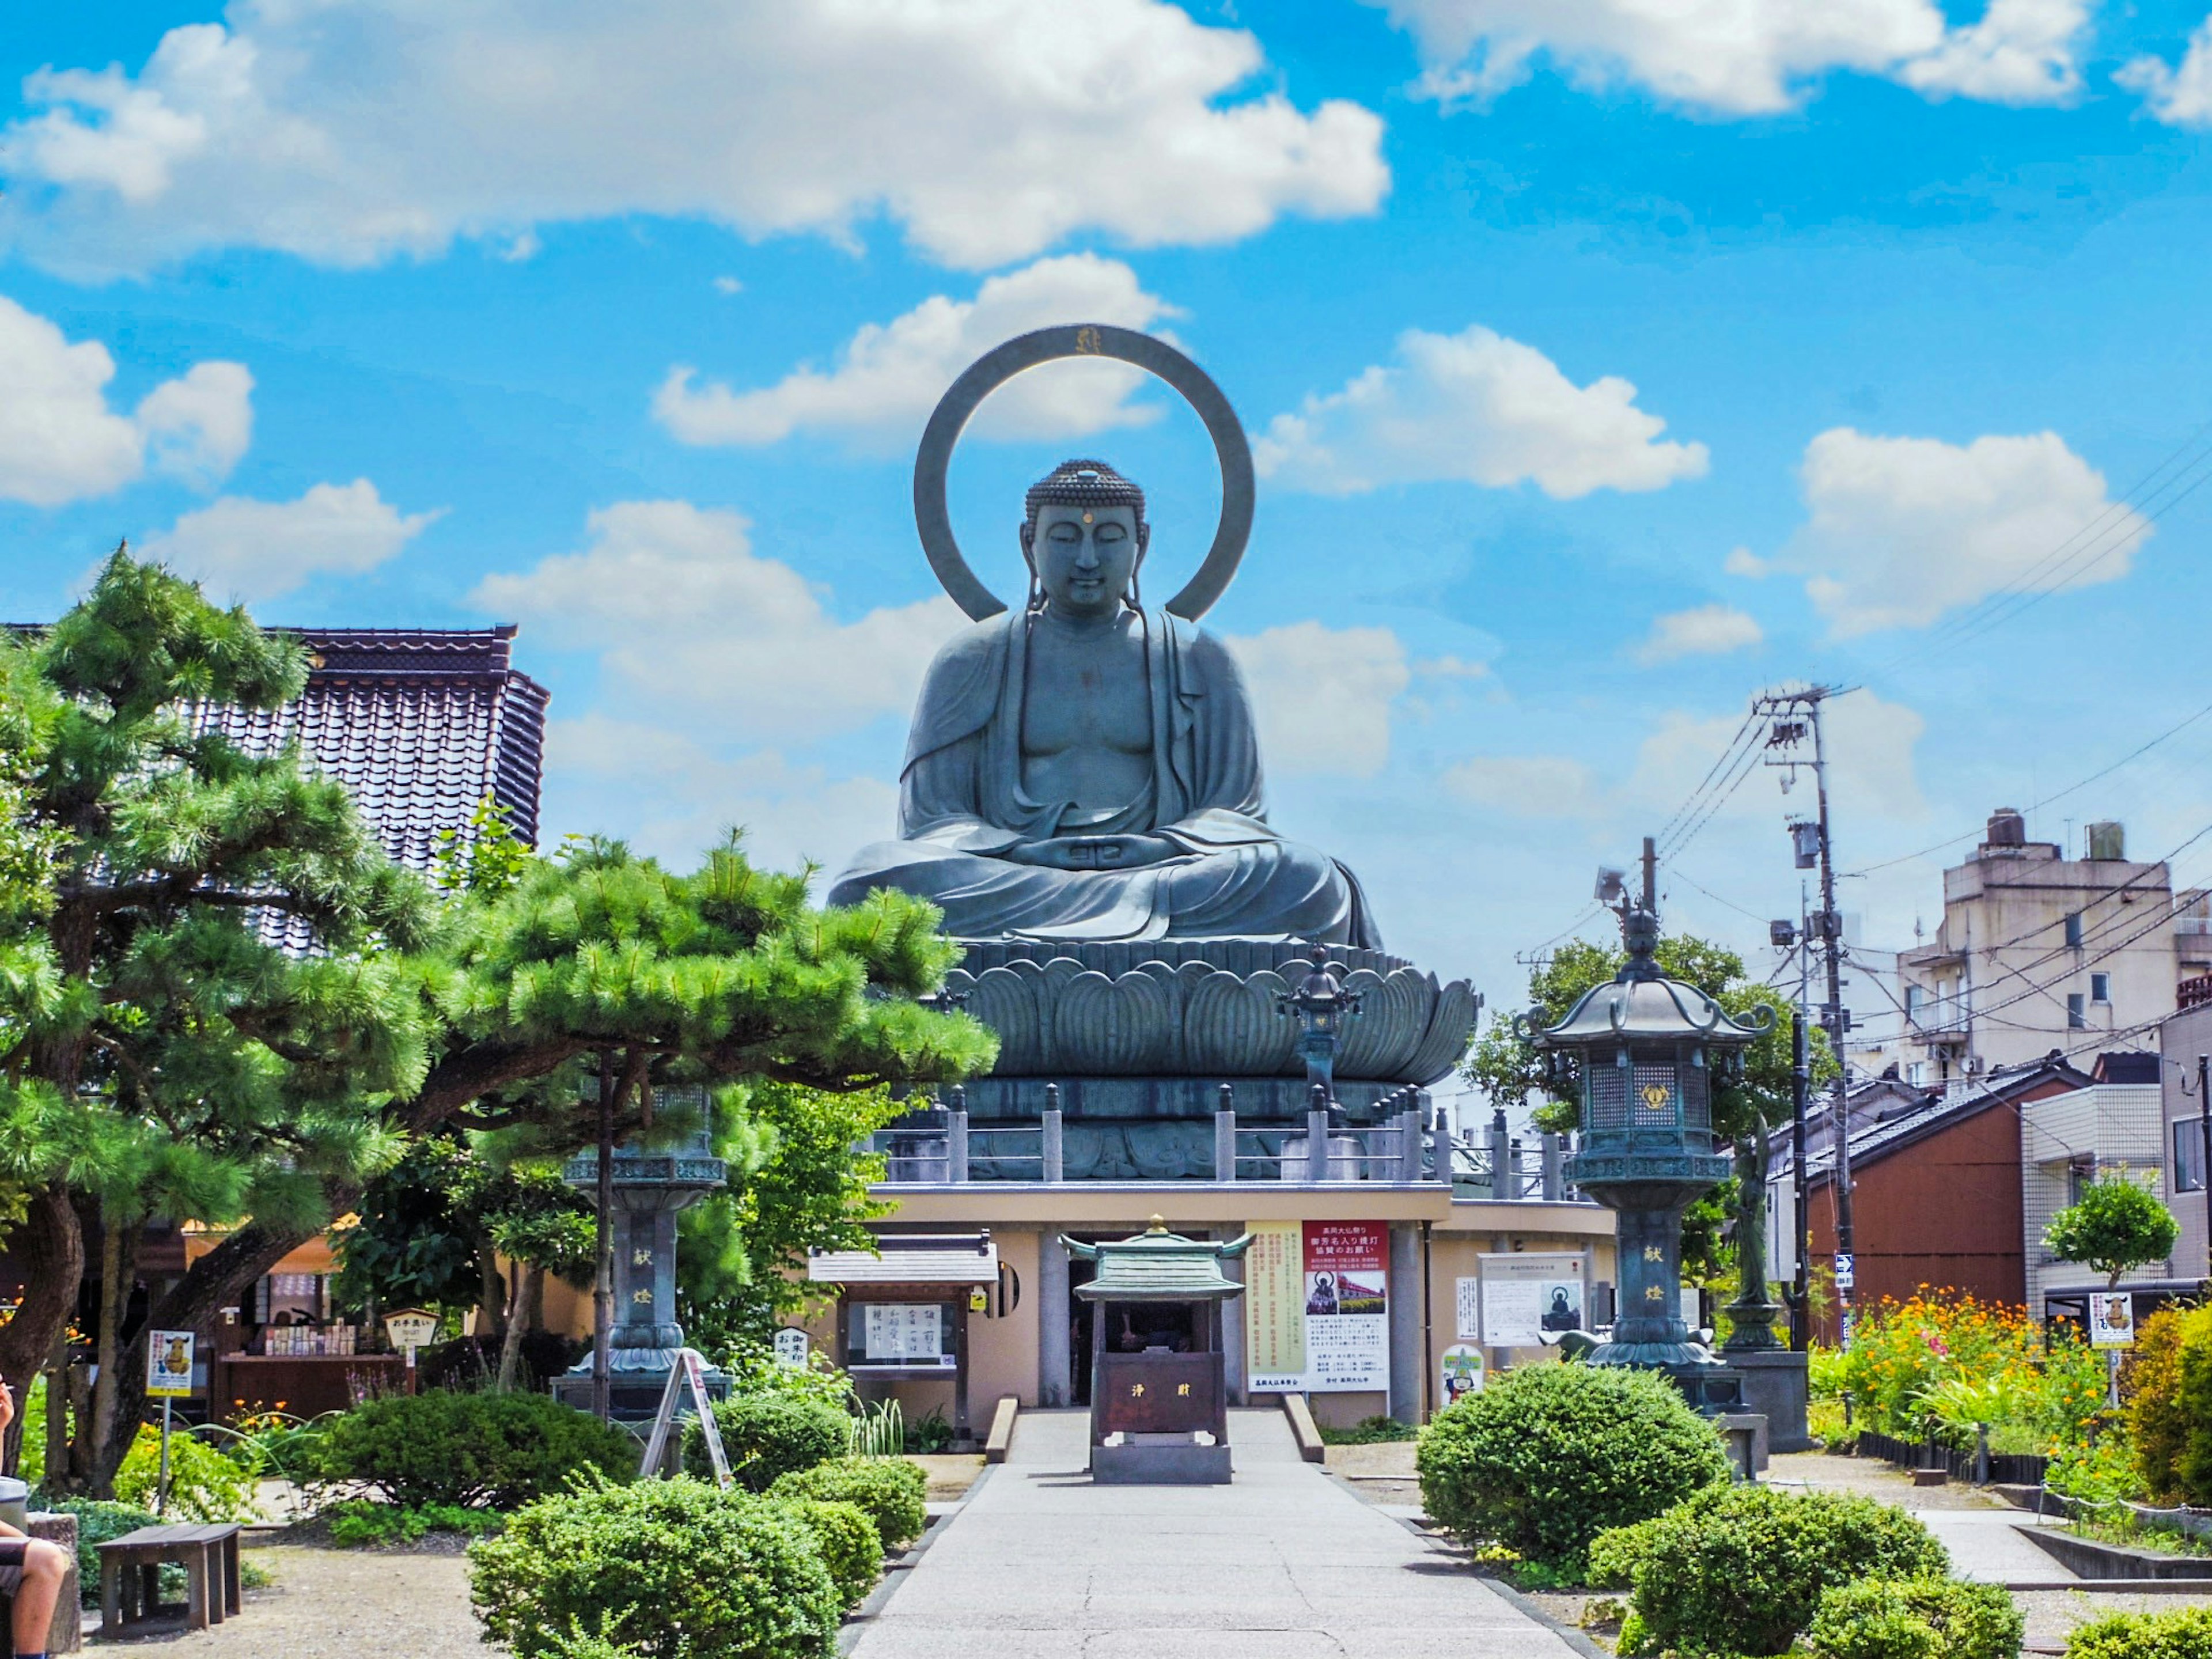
(131, 1570)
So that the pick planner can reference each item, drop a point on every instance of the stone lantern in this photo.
(651, 1184)
(1644, 1053)
(1321, 1008)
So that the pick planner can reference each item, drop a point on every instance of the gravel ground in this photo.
(1875, 1480)
(342, 1604)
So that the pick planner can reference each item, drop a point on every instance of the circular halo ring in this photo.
(1046, 346)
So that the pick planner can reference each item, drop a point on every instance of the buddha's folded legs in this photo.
(1263, 890)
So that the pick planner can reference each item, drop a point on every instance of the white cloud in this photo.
(728, 285)
(1746, 57)
(1708, 631)
(60, 441)
(350, 130)
(1742, 561)
(1526, 785)
(685, 613)
(673, 797)
(1322, 696)
(2178, 94)
(889, 375)
(1477, 407)
(199, 427)
(1904, 529)
(249, 550)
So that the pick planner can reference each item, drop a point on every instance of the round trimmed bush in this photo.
(850, 1546)
(1550, 1455)
(661, 1569)
(2185, 1633)
(766, 1436)
(890, 1490)
(1917, 1618)
(471, 1450)
(1741, 1570)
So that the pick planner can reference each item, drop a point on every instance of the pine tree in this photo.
(163, 1058)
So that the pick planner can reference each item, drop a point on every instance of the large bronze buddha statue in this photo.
(1084, 769)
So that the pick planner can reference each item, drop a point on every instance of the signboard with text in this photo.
(2112, 1318)
(411, 1328)
(1317, 1307)
(169, 1364)
(1520, 1298)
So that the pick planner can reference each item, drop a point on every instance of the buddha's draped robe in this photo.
(962, 806)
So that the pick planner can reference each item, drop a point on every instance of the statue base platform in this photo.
(1160, 1460)
(1199, 1011)
(1776, 1384)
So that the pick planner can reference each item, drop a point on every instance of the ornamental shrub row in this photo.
(768, 1435)
(2185, 1634)
(678, 1570)
(468, 1450)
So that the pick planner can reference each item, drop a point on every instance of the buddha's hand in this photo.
(1095, 852)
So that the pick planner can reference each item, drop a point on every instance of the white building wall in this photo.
(2089, 1130)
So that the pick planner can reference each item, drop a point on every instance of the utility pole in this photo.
(1801, 1079)
(2204, 1159)
(1797, 716)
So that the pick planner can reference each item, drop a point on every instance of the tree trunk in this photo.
(518, 1310)
(105, 1427)
(213, 1282)
(49, 1249)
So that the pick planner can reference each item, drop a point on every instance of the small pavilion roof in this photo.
(1158, 1266)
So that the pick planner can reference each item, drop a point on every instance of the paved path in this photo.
(1281, 1564)
(1986, 1545)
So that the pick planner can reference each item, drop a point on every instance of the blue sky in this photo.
(1607, 361)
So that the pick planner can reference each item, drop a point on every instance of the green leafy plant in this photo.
(766, 1436)
(473, 1450)
(1550, 1455)
(846, 1537)
(667, 1569)
(878, 1430)
(1369, 1432)
(2185, 1633)
(2116, 1224)
(929, 1434)
(1741, 1570)
(204, 1484)
(97, 1522)
(1917, 1618)
(357, 1522)
(891, 1490)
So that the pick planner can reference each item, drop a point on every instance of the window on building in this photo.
(2100, 987)
(2077, 1012)
(1917, 1073)
(2188, 1155)
(2074, 928)
(2079, 1174)
(1914, 996)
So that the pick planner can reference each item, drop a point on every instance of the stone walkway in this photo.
(1281, 1564)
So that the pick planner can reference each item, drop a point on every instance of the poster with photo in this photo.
(1526, 1298)
(2112, 1318)
(1317, 1307)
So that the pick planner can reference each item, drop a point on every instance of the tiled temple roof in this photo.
(418, 723)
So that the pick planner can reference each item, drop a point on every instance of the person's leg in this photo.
(45, 1566)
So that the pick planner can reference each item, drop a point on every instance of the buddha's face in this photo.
(1085, 558)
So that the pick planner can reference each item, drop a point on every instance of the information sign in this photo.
(1525, 1296)
(2112, 1318)
(1846, 1271)
(1317, 1307)
(791, 1348)
(1462, 1372)
(904, 1331)
(411, 1328)
(169, 1364)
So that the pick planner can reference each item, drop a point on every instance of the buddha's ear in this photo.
(1028, 543)
(1143, 539)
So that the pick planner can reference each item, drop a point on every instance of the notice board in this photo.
(1317, 1307)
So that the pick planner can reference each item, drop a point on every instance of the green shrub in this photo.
(581, 1645)
(204, 1484)
(1741, 1570)
(666, 1568)
(1369, 1432)
(890, 1490)
(2185, 1634)
(1550, 1455)
(769, 1435)
(849, 1544)
(361, 1521)
(1917, 1618)
(2158, 1427)
(97, 1523)
(475, 1450)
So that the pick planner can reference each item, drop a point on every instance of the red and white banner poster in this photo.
(1347, 1306)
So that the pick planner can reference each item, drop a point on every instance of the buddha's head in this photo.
(1083, 535)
